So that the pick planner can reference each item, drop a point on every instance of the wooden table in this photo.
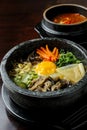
(17, 21)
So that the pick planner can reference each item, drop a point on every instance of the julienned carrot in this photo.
(54, 50)
(44, 50)
(43, 56)
(49, 52)
(46, 54)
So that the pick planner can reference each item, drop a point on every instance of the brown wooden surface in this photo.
(17, 21)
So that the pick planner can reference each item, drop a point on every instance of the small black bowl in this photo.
(72, 32)
(30, 99)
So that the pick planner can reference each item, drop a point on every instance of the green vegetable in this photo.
(19, 82)
(66, 58)
(22, 74)
(25, 79)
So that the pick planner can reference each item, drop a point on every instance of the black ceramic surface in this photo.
(33, 117)
(77, 116)
(81, 39)
(27, 99)
(70, 31)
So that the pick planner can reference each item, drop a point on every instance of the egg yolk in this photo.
(45, 68)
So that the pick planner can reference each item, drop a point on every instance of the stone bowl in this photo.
(30, 99)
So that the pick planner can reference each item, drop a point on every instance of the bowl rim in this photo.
(13, 87)
(60, 5)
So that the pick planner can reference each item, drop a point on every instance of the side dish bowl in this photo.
(69, 31)
(28, 99)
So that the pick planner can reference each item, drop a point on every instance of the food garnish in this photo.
(72, 72)
(66, 58)
(47, 54)
(22, 74)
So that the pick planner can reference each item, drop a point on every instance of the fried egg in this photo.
(45, 68)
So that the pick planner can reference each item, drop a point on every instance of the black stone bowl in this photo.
(30, 99)
(72, 32)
